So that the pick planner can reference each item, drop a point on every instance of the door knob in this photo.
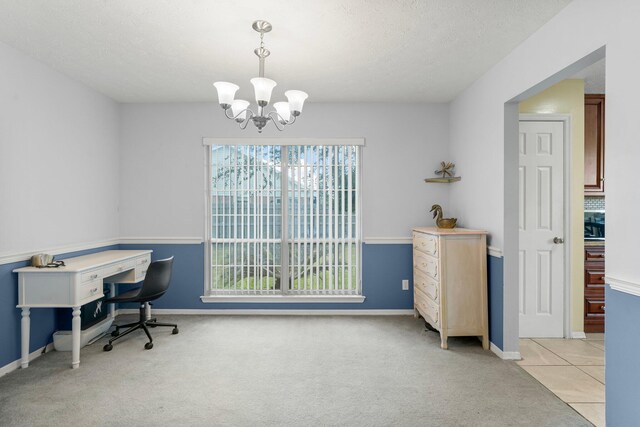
(558, 240)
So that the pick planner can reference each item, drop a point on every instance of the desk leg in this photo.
(75, 336)
(112, 293)
(25, 325)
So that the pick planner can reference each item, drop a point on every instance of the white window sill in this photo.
(284, 298)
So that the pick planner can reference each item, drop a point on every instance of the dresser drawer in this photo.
(426, 285)
(429, 310)
(90, 290)
(425, 264)
(425, 243)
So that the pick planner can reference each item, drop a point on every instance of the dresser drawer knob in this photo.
(602, 307)
(94, 290)
(94, 276)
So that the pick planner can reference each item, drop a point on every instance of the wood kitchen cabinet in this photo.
(594, 304)
(594, 145)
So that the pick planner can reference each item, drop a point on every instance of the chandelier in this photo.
(238, 109)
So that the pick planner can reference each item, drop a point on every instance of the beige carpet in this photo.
(279, 371)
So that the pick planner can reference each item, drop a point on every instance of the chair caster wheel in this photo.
(175, 331)
(151, 325)
(148, 345)
(115, 333)
(107, 347)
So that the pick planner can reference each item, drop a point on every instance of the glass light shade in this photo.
(239, 109)
(282, 108)
(226, 92)
(263, 88)
(296, 100)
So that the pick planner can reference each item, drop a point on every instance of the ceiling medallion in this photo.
(237, 109)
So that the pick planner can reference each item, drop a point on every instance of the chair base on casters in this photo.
(143, 324)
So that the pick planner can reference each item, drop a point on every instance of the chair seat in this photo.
(129, 296)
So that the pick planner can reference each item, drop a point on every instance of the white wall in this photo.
(478, 132)
(58, 159)
(162, 162)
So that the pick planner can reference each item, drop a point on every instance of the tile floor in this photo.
(572, 369)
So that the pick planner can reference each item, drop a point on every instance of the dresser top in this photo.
(447, 231)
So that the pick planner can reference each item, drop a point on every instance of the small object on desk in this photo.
(41, 260)
(440, 221)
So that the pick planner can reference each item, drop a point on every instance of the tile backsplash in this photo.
(593, 203)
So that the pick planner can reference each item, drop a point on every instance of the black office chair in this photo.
(155, 284)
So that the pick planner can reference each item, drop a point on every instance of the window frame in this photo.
(207, 297)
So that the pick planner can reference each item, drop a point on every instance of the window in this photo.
(285, 220)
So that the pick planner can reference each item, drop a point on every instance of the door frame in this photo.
(566, 192)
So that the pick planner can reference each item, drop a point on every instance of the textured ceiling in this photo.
(594, 77)
(336, 50)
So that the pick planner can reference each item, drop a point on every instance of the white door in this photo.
(541, 220)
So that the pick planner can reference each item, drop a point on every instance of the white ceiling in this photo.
(594, 77)
(336, 50)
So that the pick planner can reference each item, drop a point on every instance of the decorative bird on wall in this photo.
(446, 169)
(442, 222)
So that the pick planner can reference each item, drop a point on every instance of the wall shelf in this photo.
(444, 180)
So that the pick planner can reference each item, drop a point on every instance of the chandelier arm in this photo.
(281, 119)
(232, 117)
(245, 122)
(276, 123)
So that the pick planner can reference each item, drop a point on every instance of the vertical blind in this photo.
(285, 220)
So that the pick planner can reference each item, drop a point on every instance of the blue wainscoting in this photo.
(384, 266)
(383, 269)
(43, 320)
(622, 347)
(496, 300)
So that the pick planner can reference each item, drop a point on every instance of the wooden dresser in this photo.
(594, 304)
(450, 281)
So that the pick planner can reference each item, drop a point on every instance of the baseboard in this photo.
(505, 355)
(578, 336)
(10, 367)
(251, 312)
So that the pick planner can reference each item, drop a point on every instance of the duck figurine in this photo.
(442, 222)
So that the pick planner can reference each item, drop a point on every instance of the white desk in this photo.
(74, 285)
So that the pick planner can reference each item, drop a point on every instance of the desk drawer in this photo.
(425, 264)
(141, 272)
(425, 243)
(91, 275)
(118, 268)
(143, 260)
(89, 290)
(426, 285)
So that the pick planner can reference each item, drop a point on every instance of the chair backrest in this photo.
(157, 280)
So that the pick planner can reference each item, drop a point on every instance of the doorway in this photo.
(543, 279)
